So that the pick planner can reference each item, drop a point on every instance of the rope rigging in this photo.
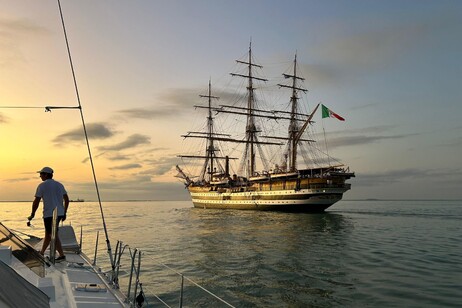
(86, 135)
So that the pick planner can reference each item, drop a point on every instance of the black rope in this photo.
(48, 108)
(86, 138)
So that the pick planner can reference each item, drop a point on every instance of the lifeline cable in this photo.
(86, 138)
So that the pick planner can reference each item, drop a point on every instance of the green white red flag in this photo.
(327, 113)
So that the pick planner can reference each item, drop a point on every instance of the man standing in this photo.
(53, 194)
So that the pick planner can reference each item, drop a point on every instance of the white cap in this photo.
(46, 170)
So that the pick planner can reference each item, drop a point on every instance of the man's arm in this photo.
(35, 205)
(66, 205)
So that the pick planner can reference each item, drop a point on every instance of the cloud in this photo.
(94, 131)
(86, 159)
(374, 47)
(126, 167)
(3, 119)
(15, 27)
(158, 149)
(456, 142)
(118, 157)
(183, 97)
(367, 135)
(136, 183)
(15, 180)
(344, 54)
(177, 101)
(161, 166)
(379, 129)
(143, 152)
(365, 106)
(171, 104)
(319, 74)
(13, 33)
(150, 113)
(131, 142)
(361, 139)
(139, 187)
(444, 175)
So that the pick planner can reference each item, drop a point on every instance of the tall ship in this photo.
(261, 169)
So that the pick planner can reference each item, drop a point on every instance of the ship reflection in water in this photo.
(266, 252)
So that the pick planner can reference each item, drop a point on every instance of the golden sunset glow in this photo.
(392, 69)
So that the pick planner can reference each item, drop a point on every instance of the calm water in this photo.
(358, 254)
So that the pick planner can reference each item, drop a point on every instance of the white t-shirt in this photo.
(52, 193)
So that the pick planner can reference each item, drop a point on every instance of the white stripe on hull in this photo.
(300, 200)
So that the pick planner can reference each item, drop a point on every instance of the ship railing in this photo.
(320, 186)
(143, 295)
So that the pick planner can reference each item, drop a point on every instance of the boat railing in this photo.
(182, 280)
(140, 294)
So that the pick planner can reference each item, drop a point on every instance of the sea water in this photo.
(356, 254)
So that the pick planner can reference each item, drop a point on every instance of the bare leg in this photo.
(46, 242)
(59, 248)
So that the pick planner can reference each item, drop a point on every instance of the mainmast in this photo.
(251, 129)
(293, 126)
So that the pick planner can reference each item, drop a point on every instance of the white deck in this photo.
(71, 283)
(78, 284)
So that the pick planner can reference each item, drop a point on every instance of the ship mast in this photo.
(210, 151)
(251, 129)
(294, 129)
(210, 156)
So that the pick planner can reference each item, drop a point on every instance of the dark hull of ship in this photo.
(287, 200)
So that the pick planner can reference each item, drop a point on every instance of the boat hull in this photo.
(303, 200)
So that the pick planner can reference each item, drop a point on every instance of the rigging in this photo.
(108, 243)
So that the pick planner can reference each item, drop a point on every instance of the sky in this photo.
(392, 69)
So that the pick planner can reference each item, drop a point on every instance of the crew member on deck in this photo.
(54, 195)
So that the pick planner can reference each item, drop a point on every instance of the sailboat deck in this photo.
(85, 286)
(70, 283)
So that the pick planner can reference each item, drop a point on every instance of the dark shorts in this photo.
(48, 222)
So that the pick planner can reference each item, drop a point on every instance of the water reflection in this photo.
(262, 255)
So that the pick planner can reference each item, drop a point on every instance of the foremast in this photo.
(210, 158)
(210, 151)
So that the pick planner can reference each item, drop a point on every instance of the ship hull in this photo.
(289, 200)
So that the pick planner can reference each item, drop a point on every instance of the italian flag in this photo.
(327, 113)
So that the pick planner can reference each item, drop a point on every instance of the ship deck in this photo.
(74, 282)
